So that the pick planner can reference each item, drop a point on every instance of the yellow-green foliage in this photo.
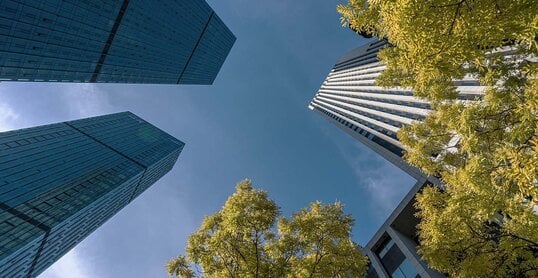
(483, 225)
(241, 241)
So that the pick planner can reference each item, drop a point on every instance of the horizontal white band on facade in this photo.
(359, 116)
(362, 73)
(365, 85)
(339, 75)
(377, 89)
(402, 108)
(368, 129)
(471, 90)
(393, 117)
(398, 98)
(351, 77)
(353, 62)
(468, 77)
(366, 66)
(505, 50)
(468, 90)
(351, 82)
(372, 69)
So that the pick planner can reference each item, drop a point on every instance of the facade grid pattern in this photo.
(117, 41)
(60, 182)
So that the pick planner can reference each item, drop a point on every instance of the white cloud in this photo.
(383, 182)
(86, 100)
(71, 265)
(386, 191)
(7, 117)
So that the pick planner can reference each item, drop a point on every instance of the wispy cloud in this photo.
(384, 183)
(71, 265)
(86, 100)
(386, 190)
(7, 117)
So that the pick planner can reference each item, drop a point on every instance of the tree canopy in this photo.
(249, 238)
(485, 150)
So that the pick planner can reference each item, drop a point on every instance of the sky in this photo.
(253, 122)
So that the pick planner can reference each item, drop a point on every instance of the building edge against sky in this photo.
(114, 41)
(60, 182)
(350, 99)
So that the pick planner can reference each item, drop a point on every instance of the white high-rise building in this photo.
(350, 99)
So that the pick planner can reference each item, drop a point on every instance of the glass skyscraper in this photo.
(60, 182)
(120, 41)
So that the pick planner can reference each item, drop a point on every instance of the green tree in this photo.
(485, 151)
(249, 238)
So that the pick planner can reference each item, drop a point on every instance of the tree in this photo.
(484, 150)
(241, 240)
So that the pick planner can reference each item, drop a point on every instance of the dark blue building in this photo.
(60, 182)
(120, 41)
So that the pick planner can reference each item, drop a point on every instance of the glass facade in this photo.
(121, 41)
(60, 182)
(394, 261)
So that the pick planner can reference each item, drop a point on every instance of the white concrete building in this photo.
(350, 99)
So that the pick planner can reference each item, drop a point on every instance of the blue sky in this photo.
(253, 122)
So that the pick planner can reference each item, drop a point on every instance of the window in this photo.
(394, 261)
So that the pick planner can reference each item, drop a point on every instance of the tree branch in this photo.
(456, 14)
(257, 255)
(319, 255)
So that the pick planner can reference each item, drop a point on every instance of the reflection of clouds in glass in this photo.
(147, 135)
